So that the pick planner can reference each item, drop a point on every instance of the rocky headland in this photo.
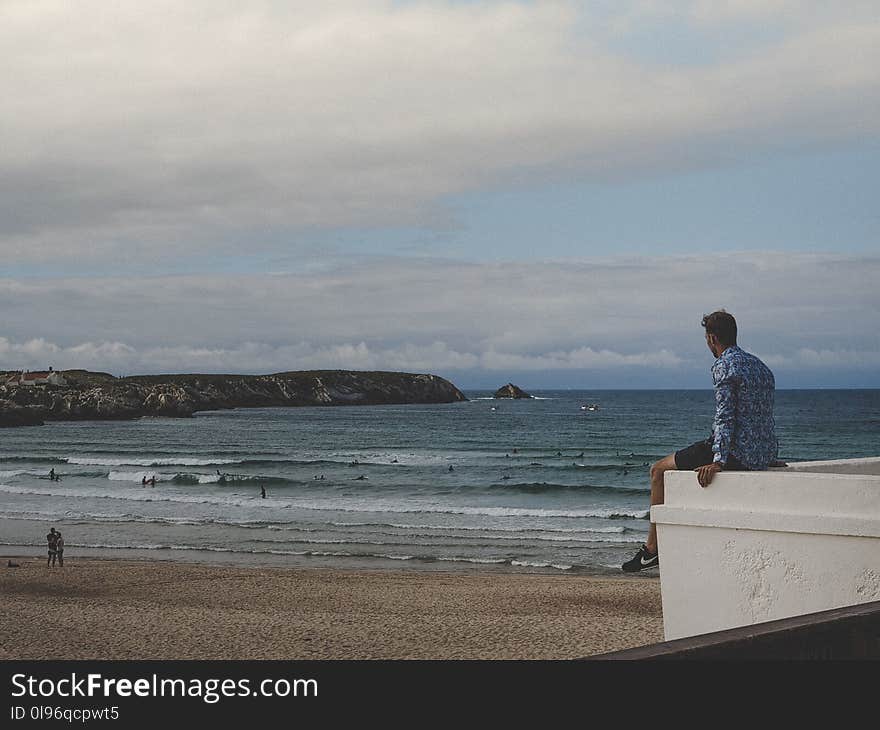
(99, 396)
(511, 391)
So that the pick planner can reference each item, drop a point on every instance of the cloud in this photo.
(806, 358)
(163, 130)
(628, 316)
(261, 358)
(584, 358)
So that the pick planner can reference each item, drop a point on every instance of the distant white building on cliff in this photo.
(37, 377)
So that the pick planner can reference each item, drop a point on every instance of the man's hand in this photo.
(705, 473)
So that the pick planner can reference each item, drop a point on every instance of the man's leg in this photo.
(646, 557)
(657, 471)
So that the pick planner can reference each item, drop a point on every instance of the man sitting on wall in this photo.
(743, 434)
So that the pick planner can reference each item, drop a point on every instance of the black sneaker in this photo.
(642, 561)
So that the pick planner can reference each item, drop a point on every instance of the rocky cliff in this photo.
(101, 396)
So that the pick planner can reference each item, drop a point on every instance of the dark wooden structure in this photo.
(852, 632)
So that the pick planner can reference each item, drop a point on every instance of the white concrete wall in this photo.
(759, 546)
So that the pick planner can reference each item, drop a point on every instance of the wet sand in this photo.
(125, 609)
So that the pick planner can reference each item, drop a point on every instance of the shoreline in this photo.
(119, 608)
(223, 558)
(169, 551)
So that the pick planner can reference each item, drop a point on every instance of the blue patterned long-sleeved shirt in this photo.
(744, 425)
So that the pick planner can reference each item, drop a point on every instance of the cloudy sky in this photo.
(551, 193)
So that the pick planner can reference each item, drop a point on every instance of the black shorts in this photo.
(701, 454)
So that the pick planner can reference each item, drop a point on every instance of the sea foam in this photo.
(163, 461)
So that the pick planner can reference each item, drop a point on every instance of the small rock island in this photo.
(28, 399)
(510, 391)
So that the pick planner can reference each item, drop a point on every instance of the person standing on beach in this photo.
(59, 549)
(51, 539)
(743, 435)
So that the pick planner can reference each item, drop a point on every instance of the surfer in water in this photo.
(263, 491)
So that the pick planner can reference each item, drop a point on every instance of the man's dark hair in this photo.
(722, 325)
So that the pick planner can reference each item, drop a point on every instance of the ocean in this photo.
(541, 485)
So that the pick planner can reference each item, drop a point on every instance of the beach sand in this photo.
(125, 609)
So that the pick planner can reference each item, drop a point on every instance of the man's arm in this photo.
(722, 431)
(725, 413)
